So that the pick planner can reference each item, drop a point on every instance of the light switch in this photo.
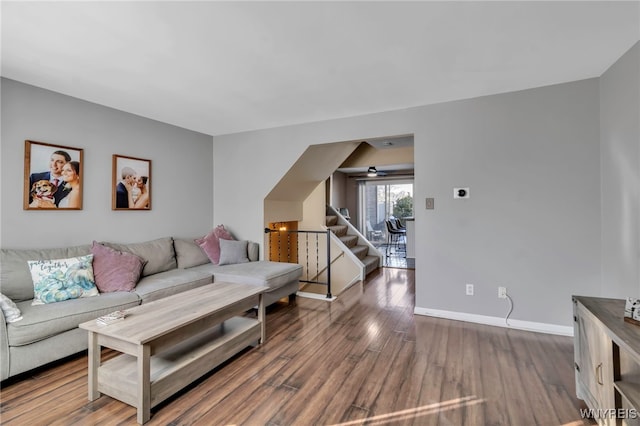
(429, 203)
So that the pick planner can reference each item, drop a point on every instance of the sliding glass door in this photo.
(381, 200)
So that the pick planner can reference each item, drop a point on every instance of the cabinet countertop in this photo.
(611, 313)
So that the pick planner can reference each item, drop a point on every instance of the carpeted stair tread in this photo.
(339, 230)
(360, 251)
(349, 240)
(331, 220)
(370, 264)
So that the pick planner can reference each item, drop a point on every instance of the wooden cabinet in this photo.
(607, 360)
(593, 360)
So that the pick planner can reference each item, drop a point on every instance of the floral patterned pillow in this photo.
(62, 279)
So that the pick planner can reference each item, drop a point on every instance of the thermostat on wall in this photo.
(460, 192)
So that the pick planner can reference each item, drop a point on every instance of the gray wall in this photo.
(338, 190)
(620, 151)
(532, 224)
(182, 200)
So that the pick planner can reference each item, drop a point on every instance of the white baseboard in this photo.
(315, 296)
(539, 327)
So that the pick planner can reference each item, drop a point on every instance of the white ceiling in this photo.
(223, 67)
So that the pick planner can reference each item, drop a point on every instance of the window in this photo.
(380, 200)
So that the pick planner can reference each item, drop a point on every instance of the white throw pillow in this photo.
(9, 309)
(62, 279)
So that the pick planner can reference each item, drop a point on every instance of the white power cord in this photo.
(506, 319)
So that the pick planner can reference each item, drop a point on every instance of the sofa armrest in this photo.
(4, 348)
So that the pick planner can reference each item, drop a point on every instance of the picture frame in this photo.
(53, 176)
(131, 184)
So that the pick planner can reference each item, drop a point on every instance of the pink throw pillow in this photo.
(210, 243)
(222, 233)
(115, 270)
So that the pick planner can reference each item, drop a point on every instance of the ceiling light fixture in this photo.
(372, 172)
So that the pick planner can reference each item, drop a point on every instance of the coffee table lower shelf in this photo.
(175, 368)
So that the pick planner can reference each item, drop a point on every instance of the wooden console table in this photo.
(607, 360)
(168, 343)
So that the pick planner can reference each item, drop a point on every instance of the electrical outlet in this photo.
(469, 289)
(502, 292)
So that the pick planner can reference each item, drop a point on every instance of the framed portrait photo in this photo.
(52, 177)
(131, 188)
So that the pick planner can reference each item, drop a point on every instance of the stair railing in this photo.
(308, 254)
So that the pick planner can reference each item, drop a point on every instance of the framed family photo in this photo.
(52, 177)
(131, 188)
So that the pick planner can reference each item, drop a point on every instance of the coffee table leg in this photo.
(94, 363)
(262, 319)
(144, 384)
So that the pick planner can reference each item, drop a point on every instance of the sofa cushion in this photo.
(15, 278)
(188, 253)
(266, 273)
(232, 252)
(171, 282)
(115, 270)
(159, 254)
(42, 321)
(57, 280)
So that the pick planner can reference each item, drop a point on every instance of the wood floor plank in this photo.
(74, 394)
(13, 396)
(397, 374)
(308, 381)
(547, 355)
(416, 374)
(471, 378)
(363, 359)
(491, 374)
(256, 389)
(370, 389)
(342, 400)
(435, 349)
(453, 376)
(537, 392)
(267, 410)
(103, 411)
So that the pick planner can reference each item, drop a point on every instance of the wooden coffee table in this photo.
(168, 343)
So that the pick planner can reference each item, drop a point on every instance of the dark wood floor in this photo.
(363, 359)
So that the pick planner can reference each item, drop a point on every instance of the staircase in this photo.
(351, 241)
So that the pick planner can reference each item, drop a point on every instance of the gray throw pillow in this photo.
(159, 254)
(232, 252)
(253, 249)
(188, 253)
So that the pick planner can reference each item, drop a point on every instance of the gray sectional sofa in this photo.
(50, 332)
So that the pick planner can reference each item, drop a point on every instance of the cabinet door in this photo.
(594, 369)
